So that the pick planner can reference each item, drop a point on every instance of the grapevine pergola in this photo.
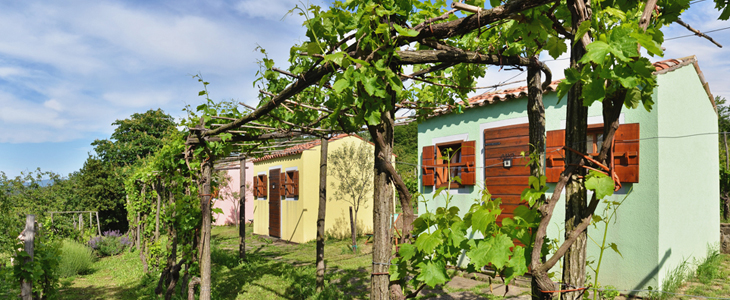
(349, 75)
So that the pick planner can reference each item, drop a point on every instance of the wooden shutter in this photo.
(468, 173)
(554, 155)
(295, 183)
(427, 162)
(264, 186)
(626, 152)
(256, 186)
(282, 184)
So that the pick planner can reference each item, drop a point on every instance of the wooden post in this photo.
(352, 229)
(727, 155)
(98, 226)
(26, 287)
(242, 210)
(158, 190)
(321, 213)
(81, 222)
(205, 199)
(139, 231)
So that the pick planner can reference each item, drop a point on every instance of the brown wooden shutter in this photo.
(427, 162)
(626, 153)
(295, 183)
(468, 173)
(256, 186)
(282, 184)
(554, 155)
(264, 186)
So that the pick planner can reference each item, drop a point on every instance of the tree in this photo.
(352, 164)
(101, 188)
(405, 148)
(135, 138)
(102, 177)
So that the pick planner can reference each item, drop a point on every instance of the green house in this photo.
(666, 159)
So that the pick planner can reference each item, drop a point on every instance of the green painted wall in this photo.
(688, 209)
(642, 237)
(299, 217)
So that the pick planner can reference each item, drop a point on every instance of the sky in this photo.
(69, 69)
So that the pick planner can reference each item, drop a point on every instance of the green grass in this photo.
(710, 278)
(273, 270)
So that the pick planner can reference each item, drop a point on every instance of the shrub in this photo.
(111, 243)
(75, 259)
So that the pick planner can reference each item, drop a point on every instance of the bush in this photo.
(111, 243)
(75, 259)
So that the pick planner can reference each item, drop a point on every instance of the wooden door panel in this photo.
(274, 203)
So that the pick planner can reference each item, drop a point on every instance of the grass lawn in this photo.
(710, 279)
(274, 270)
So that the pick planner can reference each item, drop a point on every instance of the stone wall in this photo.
(725, 238)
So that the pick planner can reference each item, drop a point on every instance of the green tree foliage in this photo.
(135, 138)
(405, 147)
(101, 189)
(31, 193)
(101, 180)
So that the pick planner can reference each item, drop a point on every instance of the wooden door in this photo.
(274, 203)
(500, 144)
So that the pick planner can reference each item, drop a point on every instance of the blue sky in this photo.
(68, 69)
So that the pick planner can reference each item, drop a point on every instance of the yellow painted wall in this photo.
(299, 217)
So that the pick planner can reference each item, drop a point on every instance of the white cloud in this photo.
(53, 104)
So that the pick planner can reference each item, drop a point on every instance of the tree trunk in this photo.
(321, 212)
(574, 262)
(242, 211)
(353, 231)
(205, 229)
(536, 118)
(383, 207)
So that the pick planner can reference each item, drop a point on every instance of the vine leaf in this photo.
(492, 250)
(428, 242)
(432, 273)
(614, 247)
(517, 265)
(600, 184)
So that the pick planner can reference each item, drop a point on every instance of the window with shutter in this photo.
(282, 184)
(625, 151)
(289, 186)
(295, 183)
(427, 161)
(264, 185)
(442, 163)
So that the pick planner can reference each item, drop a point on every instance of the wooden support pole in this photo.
(727, 154)
(321, 213)
(158, 191)
(26, 286)
(98, 225)
(81, 222)
(242, 210)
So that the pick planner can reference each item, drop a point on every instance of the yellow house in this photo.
(286, 193)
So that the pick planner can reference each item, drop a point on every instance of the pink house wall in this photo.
(227, 202)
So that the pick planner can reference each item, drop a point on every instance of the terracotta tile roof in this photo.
(297, 149)
(662, 67)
